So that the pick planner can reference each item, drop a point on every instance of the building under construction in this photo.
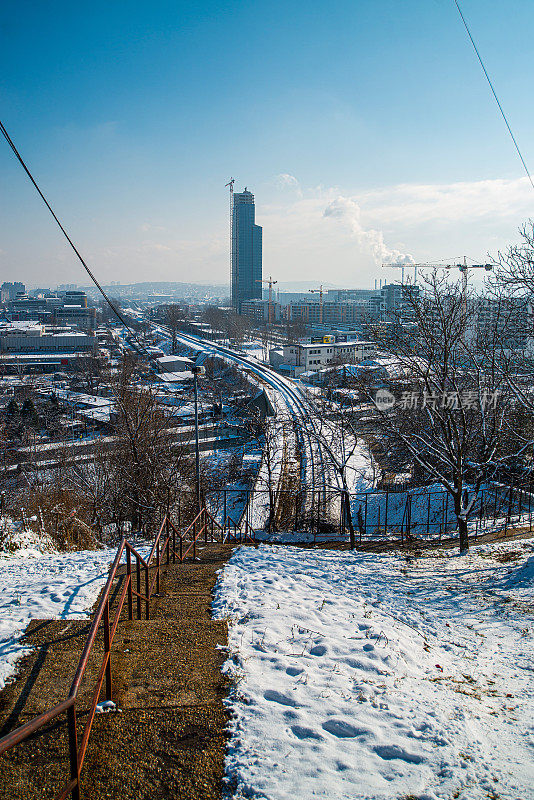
(246, 249)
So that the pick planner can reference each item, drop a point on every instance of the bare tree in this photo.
(272, 435)
(237, 327)
(215, 317)
(334, 428)
(446, 405)
(295, 330)
(106, 312)
(175, 316)
(91, 372)
(514, 268)
(512, 292)
(149, 467)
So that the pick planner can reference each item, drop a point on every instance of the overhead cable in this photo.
(514, 140)
(66, 235)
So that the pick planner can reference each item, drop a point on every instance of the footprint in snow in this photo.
(294, 671)
(305, 733)
(318, 650)
(278, 697)
(390, 751)
(343, 729)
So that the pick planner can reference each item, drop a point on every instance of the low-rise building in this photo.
(8, 291)
(311, 357)
(174, 364)
(84, 318)
(49, 308)
(398, 299)
(32, 337)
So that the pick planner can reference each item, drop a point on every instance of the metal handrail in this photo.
(243, 536)
(162, 544)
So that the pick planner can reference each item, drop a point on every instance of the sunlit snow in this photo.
(359, 675)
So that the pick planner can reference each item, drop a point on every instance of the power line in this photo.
(494, 93)
(65, 234)
(138, 346)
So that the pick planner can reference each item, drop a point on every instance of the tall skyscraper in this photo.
(246, 250)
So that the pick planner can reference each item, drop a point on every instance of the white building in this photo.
(311, 357)
(174, 364)
(32, 337)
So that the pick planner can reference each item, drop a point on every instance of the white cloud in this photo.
(326, 234)
(286, 181)
(314, 233)
(413, 204)
(146, 227)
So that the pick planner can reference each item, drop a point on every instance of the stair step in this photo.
(143, 754)
(46, 673)
(155, 663)
(169, 739)
(171, 663)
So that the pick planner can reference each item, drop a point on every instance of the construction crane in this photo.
(464, 269)
(271, 284)
(320, 290)
(402, 267)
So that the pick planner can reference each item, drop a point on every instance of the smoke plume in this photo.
(348, 211)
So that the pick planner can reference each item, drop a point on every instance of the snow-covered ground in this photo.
(37, 585)
(365, 676)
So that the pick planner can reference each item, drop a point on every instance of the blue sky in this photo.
(364, 128)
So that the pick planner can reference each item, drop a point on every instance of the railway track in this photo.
(316, 468)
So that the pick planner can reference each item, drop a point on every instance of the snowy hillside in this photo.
(365, 676)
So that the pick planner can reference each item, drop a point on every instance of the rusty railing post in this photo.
(147, 589)
(157, 568)
(129, 579)
(73, 752)
(107, 650)
(167, 538)
(138, 571)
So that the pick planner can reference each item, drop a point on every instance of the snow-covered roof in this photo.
(172, 359)
(175, 377)
(90, 400)
(20, 326)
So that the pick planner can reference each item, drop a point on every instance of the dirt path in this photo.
(169, 739)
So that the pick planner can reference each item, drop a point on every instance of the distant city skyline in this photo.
(367, 132)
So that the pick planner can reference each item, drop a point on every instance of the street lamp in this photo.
(197, 370)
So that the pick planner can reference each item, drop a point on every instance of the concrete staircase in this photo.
(168, 741)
